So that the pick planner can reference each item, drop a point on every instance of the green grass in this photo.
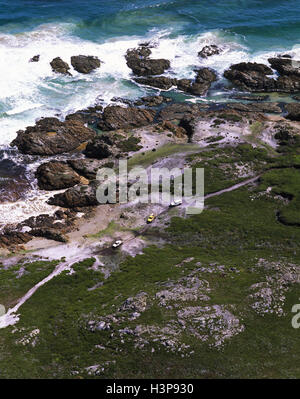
(236, 230)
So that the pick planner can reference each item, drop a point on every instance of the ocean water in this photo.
(246, 29)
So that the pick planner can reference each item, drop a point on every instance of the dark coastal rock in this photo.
(60, 66)
(152, 101)
(89, 167)
(85, 63)
(56, 175)
(35, 58)
(77, 196)
(53, 227)
(13, 238)
(50, 136)
(100, 147)
(293, 110)
(264, 107)
(61, 220)
(179, 111)
(117, 117)
(184, 84)
(242, 97)
(178, 131)
(285, 66)
(113, 146)
(205, 75)
(90, 115)
(142, 51)
(204, 78)
(141, 65)
(208, 51)
(284, 55)
(122, 100)
(253, 77)
(50, 234)
(14, 182)
(161, 82)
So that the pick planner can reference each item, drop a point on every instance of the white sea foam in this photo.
(30, 90)
(34, 205)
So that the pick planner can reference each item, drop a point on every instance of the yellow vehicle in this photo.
(151, 218)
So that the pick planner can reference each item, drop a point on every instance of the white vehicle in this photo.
(176, 203)
(117, 243)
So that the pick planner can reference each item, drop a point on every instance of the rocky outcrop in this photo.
(285, 66)
(14, 181)
(100, 147)
(117, 117)
(113, 146)
(35, 58)
(56, 175)
(204, 78)
(242, 97)
(179, 111)
(89, 167)
(60, 66)
(77, 196)
(141, 65)
(208, 51)
(50, 136)
(90, 115)
(293, 110)
(85, 63)
(251, 76)
(50, 234)
(264, 107)
(254, 77)
(13, 238)
(152, 101)
(161, 82)
(53, 227)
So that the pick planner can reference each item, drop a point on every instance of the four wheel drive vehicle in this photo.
(175, 203)
(150, 218)
(117, 243)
